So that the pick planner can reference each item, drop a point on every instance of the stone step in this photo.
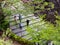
(23, 17)
(23, 25)
(17, 30)
(22, 32)
(27, 37)
(33, 20)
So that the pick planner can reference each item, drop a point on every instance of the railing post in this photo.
(20, 18)
(20, 24)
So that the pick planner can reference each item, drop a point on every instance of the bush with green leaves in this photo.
(45, 31)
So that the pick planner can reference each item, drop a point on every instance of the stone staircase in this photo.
(22, 32)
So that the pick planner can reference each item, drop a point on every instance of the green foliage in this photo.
(3, 22)
(56, 42)
(45, 31)
(7, 11)
(8, 42)
(20, 39)
(13, 36)
(3, 40)
(16, 7)
(6, 33)
(42, 4)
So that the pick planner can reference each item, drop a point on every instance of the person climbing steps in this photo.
(15, 19)
(27, 21)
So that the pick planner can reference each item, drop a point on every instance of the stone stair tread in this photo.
(26, 37)
(17, 30)
(19, 34)
(13, 27)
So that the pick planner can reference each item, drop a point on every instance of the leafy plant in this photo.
(44, 31)
(3, 22)
(16, 7)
